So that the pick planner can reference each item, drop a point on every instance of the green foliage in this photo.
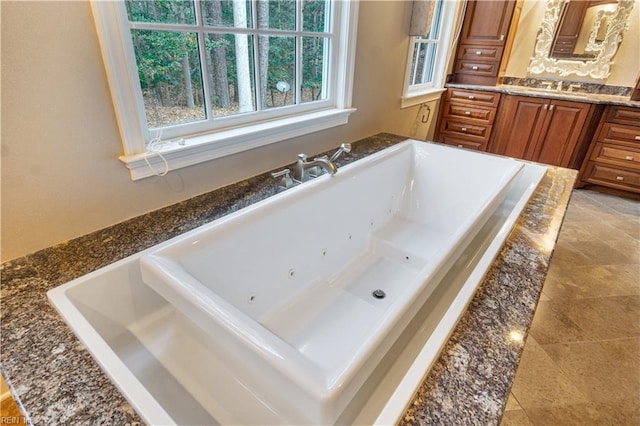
(159, 55)
(164, 11)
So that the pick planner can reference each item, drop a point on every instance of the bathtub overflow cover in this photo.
(379, 294)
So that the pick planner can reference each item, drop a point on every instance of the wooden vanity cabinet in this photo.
(482, 41)
(542, 130)
(467, 117)
(613, 159)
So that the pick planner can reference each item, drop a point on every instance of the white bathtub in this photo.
(174, 370)
(286, 287)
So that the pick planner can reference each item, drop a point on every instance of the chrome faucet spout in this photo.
(326, 165)
(305, 170)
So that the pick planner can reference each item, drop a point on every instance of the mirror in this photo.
(580, 37)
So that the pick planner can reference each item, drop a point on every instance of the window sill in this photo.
(198, 149)
(420, 98)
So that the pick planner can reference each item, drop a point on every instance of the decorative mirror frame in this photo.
(598, 68)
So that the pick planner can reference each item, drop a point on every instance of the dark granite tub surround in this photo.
(56, 381)
(594, 88)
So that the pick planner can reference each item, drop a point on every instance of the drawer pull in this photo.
(475, 68)
(467, 113)
(629, 157)
(619, 177)
(459, 146)
(637, 138)
(471, 97)
(479, 52)
(464, 129)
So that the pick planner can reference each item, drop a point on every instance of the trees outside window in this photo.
(177, 77)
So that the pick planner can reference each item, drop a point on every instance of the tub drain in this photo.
(379, 294)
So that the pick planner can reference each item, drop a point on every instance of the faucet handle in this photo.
(345, 147)
(286, 181)
(302, 157)
(284, 172)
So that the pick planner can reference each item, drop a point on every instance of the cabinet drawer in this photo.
(611, 176)
(620, 133)
(480, 53)
(616, 154)
(474, 97)
(477, 68)
(624, 115)
(460, 111)
(472, 132)
(462, 143)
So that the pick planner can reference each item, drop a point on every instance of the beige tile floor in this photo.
(581, 361)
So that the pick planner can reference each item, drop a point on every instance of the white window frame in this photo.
(270, 126)
(426, 92)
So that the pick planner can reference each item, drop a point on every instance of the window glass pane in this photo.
(314, 15)
(279, 54)
(423, 62)
(231, 73)
(167, 12)
(227, 13)
(313, 68)
(277, 14)
(170, 76)
(434, 30)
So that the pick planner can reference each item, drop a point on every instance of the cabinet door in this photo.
(563, 124)
(520, 126)
(486, 22)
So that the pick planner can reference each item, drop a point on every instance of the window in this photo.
(194, 80)
(428, 56)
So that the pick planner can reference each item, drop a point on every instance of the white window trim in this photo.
(428, 92)
(121, 71)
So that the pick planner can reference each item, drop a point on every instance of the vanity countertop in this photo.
(55, 380)
(536, 92)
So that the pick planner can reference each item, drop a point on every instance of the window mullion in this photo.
(198, 11)
(204, 63)
(256, 56)
(204, 69)
(329, 82)
(298, 53)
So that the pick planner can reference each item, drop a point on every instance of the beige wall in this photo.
(60, 174)
(626, 62)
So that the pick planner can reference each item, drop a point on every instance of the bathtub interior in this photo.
(314, 260)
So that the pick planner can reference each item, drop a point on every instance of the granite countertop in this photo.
(55, 380)
(537, 92)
